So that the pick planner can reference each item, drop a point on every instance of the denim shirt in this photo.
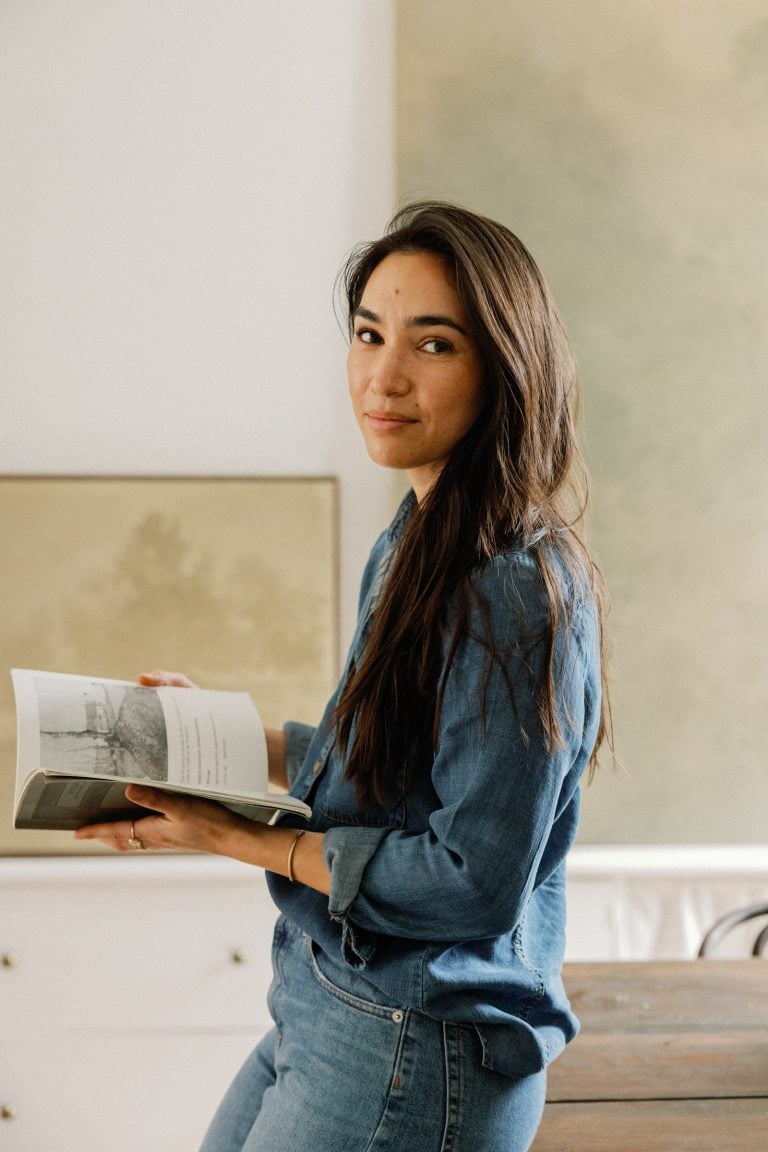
(452, 902)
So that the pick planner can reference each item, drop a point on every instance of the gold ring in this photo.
(133, 840)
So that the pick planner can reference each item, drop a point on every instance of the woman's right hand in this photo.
(162, 679)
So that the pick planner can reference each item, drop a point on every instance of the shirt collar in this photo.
(402, 514)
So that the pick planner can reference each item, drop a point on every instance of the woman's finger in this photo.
(154, 798)
(159, 678)
(118, 833)
(115, 835)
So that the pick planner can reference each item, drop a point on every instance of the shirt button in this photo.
(398, 1016)
(317, 768)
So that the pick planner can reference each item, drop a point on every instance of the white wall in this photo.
(181, 181)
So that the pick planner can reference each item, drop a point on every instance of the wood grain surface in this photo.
(671, 1057)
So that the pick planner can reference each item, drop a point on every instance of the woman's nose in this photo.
(389, 376)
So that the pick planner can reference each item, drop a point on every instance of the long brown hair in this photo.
(516, 479)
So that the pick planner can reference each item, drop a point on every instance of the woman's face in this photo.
(414, 370)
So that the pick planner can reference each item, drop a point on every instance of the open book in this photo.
(81, 740)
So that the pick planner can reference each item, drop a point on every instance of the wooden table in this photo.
(672, 1057)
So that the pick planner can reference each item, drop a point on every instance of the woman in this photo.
(417, 996)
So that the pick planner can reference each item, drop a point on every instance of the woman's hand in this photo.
(162, 679)
(188, 824)
(183, 823)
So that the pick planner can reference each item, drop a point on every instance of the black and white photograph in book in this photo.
(102, 728)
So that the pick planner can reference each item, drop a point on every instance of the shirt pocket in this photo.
(336, 804)
(351, 816)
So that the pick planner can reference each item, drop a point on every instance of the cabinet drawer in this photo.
(165, 942)
(90, 1092)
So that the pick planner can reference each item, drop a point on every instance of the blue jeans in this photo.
(343, 1072)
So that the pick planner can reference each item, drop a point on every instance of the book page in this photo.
(183, 737)
(215, 741)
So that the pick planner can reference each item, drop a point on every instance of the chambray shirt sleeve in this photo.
(498, 790)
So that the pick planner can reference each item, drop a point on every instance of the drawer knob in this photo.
(7, 1112)
(9, 960)
(237, 956)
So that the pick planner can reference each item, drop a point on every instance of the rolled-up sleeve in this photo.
(500, 789)
(347, 858)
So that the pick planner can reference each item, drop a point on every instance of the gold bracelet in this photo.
(291, 851)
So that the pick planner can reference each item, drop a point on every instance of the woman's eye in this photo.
(436, 345)
(367, 336)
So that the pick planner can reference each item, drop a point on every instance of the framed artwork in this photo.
(232, 581)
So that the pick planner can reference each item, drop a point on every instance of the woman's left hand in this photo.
(181, 822)
(188, 824)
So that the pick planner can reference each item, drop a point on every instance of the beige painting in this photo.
(231, 581)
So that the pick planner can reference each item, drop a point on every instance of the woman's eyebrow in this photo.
(434, 320)
(429, 320)
(366, 314)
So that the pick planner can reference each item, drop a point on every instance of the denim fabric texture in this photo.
(452, 903)
(345, 1071)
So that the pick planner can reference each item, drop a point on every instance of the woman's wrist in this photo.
(295, 853)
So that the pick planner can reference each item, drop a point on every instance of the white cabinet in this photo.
(131, 989)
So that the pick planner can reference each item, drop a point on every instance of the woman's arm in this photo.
(278, 777)
(189, 824)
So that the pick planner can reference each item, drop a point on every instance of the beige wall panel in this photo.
(626, 145)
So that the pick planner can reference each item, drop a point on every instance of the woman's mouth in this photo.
(387, 421)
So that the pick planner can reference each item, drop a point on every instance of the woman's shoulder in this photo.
(517, 586)
(515, 564)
